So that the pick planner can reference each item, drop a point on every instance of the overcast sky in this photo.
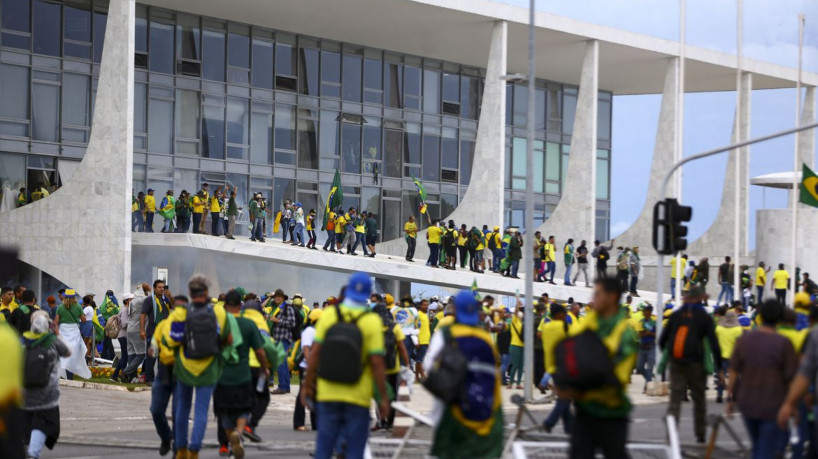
(770, 34)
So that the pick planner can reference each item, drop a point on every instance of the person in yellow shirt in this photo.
(198, 211)
(551, 333)
(346, 404)
(786, 328)
(150, 210)
(548, 256)
(410, 230)
(433, 234)
(515, 351)
(340, 223)
(780, 284)
(462, 248)
(206, 200)
(761, 281)
(215, 211)
(424, 336)
(676, 263)
(164, 384)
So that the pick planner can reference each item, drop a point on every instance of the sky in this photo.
(770, 34)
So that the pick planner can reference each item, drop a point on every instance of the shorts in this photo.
(420, 352)
(371, 239)
(86, 329)
(487, 252)
(478, 256)
(233, 401)
(451, 251)
(229, 422)
(537, 263)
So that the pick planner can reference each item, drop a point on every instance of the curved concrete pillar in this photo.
(718, 239)
(640, 234)
(81, 233)
(575, 215)
(483, 201)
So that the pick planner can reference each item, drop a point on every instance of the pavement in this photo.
(116, 424)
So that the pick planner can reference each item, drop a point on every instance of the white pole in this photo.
(528, 329)
(796, 166)
(679, 153)
(737, 152)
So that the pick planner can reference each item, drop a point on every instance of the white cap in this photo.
(127, 296)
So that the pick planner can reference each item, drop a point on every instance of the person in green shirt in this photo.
(21, 198)
(257, 218)
(233, 398)
(568, 254)
(371, 229)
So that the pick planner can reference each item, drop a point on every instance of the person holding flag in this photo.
(167, 209)
(422, 196)
(108, 309)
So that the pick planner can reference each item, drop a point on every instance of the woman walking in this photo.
(68, 318)
(122, 337)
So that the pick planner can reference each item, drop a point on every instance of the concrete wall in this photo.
(774, 238)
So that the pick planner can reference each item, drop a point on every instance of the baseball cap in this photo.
(390, 300)
(359, 287)
(127, 296)
(467, 309)
(150, 189)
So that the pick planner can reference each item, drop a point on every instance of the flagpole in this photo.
(528, 328)
(738, 153)
(679, 153)
(796, 160)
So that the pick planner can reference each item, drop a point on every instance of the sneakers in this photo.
(224, 451)
(250, 434)
(238, 447)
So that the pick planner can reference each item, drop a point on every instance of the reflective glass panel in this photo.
(187, 114)
(141, 32)
(372, 143)
(539, 167)
(262, 63)
(469, 97)
(16, 15)
(539, 109)
(391, 220)
(466, 158)
(330, 74)
(411, 139)
(448, 202)
(307, 140)
(238, 121)
(238, 48)
(393, 85)
(552, 161)
(160, 125)
(602, 178)
(329, 139)
(261, 138)
(431, 91)
(213, 61)
(393, 149)
(448, 150)
(604, 117)
(161, 50)
(187, 37)
(351, 148)
(76, 110)
(100, 20)
(352, 78)
(285, 59)
(140, 94)
(431, 158)
(569, 100)
(14, 84)
(451, 87)
(45, 112)
(213, 132)
(373, 81)
(518, 163)
(520, 105)
(46, 18)
(308, 74)
(77, 17)
(285, 127)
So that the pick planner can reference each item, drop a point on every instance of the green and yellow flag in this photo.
(474, 291)
(809, 187)
(334, 199)
(421, 194)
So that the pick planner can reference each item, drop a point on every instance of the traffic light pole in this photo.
(660, 263)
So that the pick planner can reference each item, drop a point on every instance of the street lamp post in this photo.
(528, 242)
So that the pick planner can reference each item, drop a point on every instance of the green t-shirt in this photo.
(239, 373)
(69, 317)
(371, 226)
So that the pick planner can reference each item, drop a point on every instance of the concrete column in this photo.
(483, 201)
(641, 232)
(718, 239)
(575, 215)
(81, 233)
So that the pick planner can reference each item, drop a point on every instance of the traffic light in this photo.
(669, 231)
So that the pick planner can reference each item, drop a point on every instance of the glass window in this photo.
(285, 55)
(393, 84)
(569, 109)
(188, 120)
(307, 139)
(431, 91)
(448, 149)
(351, 148)
(12, 174)
(45, 113)
(329, 145)
(391, 223)
(77, 20)
(372, 143)
(412, 81)
(185, 179)
(161, 50)
(352, 78)
(412, 141)
(566, 150)
(539, 109)
(552, 161)
(373, 81)
(602, 178)
(284, 188)
(469, 97)
(509, 103)
(518, 163)
(16, 15)
(411, 207)
(238, 128)
(448, 202)
(554, 107)
(539, 167)
(431, 158)
(213, 60)
(603, 124)
(14, 84)
(371, 200)
(160, 125)
(308, 63)
(100, 20)
(520, 105)
(46, 18)
(238, 54)
(213, 130)
(261, 138)
(76, 110)
(330, 74)
(187, 37)
(393, 148)
(262, 63)
(141, 32)
(285, 127)
(451, 88)
(466, 157)
(140, 95)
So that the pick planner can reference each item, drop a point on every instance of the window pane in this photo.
(552, 161)
(237, 121)
(352, 78)
(412, 83)
(46, 109)
(284, 189)
(602, 179)
(213, 132)
(76, 108)
(411, 206)
(330, 73)
(77, 21)
(539, 108)
(448, 202)
(520, 105)
(187, 37)
(412, 141)
(469, 96)
(604, 119)
(569, 109)
(160, 125)
(141, 32)
(285, 59)
(285, 127)
(518, 162)
(330, 135)
(100, 20)
(431, 91)
(373, 78)
(539, 167)
(12, 173)
(351, 150)
(185, 179)
(308, 75)
(448, 149)
(262, 63)
(371, 200)
(372, 143)
(46, 17)
(451, 87)
(213, 61)
(187, 114)
(140, 92)
(466, 158)
(393, 85)
(431, 158)
(161, 51)
(261, 138)
(307, 142)
(509, 103)
(16, 15)
(238, 49)
(14, 84)
(393, 146)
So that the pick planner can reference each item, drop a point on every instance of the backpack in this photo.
(113, 326)
(583, 363)
(201, 332)
(622, 262)
(685, 344)
(448, 372)
(603, 255)
(448, 238)
(390, 344)
(344, 363)
(38, 366)
(492, 242)
(299, 321)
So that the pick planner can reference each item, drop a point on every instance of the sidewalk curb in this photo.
(101, 386)
(308, 445)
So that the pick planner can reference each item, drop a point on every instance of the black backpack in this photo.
(341, 359)
(492, 241)
(201, 332)
(448, 372)
(583, 363)
(448, 238)
(299, 321)
(39, 362)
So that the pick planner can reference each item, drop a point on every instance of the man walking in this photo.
(150, 210)
(433, 234)
(164, 386)
(646, 329)
(581, 253)
(726, 281)
(232, 214)
(330, 224)
(780, 284)
(284, 322)
(548, 256)
(635, 267)
(205, 196)
(198, 203)
(257, 218)
(155, 309)
(568, 258)
(602, 255)
(215, 212)
(761, 281)
(683, 337)
(677, 271)
(623, 268)
(371, 225)
(410, 230)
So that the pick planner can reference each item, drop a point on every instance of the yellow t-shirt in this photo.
(434, 234)
(551, 334)
(371, 326)
(134, 206)
(214, 205)
(796, 337)
(340, 222)
(399, 337)
(780, 279)
(150, 203)
(411, 229)
(424, 332)
(198, 205)
(461, 240)
(727, 339)
(550, 252)
(761, 276)
(445, 321)
(675, 263)
(516, 331)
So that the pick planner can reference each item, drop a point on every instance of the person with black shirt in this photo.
(504, 344)
(602, 255)
(20, 318)
(726, 281)
(582, 263)
(155, 309)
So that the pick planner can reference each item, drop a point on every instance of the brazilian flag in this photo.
(335, 198)
(809, 187)
(421, 194)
